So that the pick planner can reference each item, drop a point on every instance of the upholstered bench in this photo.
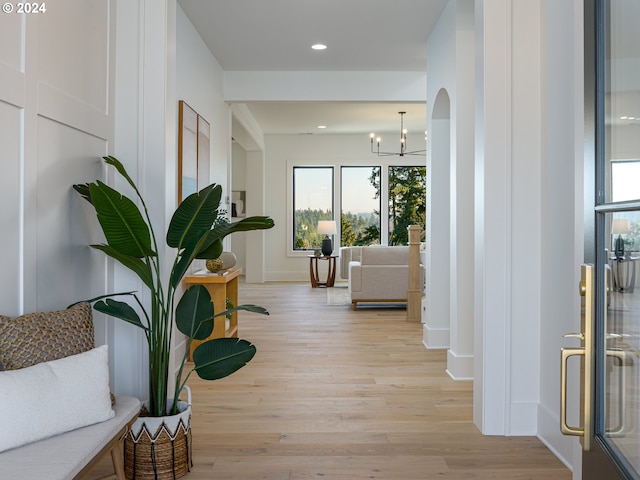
(72, 454)
(58, 418)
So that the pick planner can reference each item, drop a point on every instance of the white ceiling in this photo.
(361, 35)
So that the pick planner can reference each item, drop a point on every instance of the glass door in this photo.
(611, 388)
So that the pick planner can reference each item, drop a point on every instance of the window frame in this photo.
(383, 162)
(292, 238)
(380, 209)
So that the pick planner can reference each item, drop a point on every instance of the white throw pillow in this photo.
(54, 397)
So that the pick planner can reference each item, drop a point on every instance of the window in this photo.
(407, 198)
(312, 201)
(360, 206)
(372, 204)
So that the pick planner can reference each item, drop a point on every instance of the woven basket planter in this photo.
(159, 448)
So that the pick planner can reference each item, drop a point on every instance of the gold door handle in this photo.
(564, 427)
(585, 351)
(574, 335)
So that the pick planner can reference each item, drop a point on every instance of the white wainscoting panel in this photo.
(10, 209)
(11, 41)
(67, 270)
(12, 88)
(12, 100)
(73, 50)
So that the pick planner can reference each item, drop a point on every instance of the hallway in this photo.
(340, 395)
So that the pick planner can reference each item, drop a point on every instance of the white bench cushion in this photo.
(63, 456)
(54, 397)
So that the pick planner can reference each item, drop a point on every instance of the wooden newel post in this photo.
(414, 294)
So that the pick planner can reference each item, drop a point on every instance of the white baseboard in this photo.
(287, 277)
(437, 338)
(562, 446)
(459, 367)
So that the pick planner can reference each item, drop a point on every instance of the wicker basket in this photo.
(159, 448)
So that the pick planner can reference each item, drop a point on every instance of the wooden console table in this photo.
(221, 288)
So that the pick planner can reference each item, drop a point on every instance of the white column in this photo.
(460, 356)
(436, 331)
(492, 299)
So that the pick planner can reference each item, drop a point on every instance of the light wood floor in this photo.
(342, 395)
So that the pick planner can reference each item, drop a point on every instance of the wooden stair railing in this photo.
(414, 293)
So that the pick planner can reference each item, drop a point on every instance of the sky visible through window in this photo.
(358, 194)
(313, 189)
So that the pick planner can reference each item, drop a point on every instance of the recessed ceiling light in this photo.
(322, 126)
(319, 46)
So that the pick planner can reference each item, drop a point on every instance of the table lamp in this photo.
(620, 227)
(326, 228)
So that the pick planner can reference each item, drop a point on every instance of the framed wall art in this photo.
(204, 152)
(187, 151)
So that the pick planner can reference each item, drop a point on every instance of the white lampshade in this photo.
(327, 227)
(620, 226)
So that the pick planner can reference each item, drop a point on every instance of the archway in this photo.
(437, 309)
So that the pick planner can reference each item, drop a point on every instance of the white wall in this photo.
(239, 183)
(355, 86)
(61, 112)
(281, 150)
(199, 83)
(562, 227)
(57, 114)
(145, 142)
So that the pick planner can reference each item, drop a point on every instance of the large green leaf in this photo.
(109, 295)
(121, 221)
(212, 251)
(215, 235)
(221, 357)
(247, 307)
(120, 310)
(185, 257)
(83, 190)
(135, 264)
(195, 214)
(109, 160)
(194, 313)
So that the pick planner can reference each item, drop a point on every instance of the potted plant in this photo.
(195, 231)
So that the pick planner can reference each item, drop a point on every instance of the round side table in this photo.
(331, 272)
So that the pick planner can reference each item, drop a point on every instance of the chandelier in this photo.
(403, 143)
